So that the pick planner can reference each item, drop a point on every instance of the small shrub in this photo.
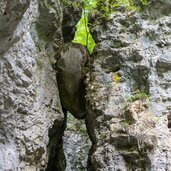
(138, 95)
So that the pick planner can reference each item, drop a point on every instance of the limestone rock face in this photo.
(128, 89)
(129, 129)
(11, 14)
(29, 98)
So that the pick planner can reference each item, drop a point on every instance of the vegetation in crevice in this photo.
(138, 95)
(83, 35)
(101, 8)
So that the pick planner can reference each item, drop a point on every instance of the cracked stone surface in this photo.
(29, 98)
(128, 92)
(132, 55)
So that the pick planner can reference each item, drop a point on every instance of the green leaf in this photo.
(82, 34)
(105, 8)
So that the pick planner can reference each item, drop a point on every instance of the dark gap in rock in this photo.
(70, 77)
(90, 124)
(56, 154)
(90, 165)
(68, 30)
(10, 39)
(71, 16)
(71, 86)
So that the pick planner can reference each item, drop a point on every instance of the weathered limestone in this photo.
(12, 14)
(132, 57)
(76, 144)
(29, 99)
(131, 54)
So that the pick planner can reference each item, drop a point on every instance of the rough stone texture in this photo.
(156, 9)
(11, 14)
(29, 99)
(128, 130)
(76, 144)
(132, 55)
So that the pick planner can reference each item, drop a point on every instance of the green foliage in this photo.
(83, 36)
(127, 3)
(104, 8)
(69, 3)
(138, 95)
(144, 2)
(90, 5)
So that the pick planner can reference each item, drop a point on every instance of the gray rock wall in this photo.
(128, 89)
(76, 144)
(132, 58)
(29, 98)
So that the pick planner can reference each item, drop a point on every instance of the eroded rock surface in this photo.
(128, 90)
(29, 98)
(132, 55)
(76, 144)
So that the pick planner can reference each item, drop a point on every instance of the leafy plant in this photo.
(144, 2)
(104, 8)
(107, 7)
(82, 35)
(138, 95)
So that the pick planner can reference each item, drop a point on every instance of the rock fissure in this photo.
(57, 159)
(125, 102)
(70, 65)
(71, 73)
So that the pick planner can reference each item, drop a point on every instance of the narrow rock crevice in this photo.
(70, 62)
(70, 77)
(71, 16)
(55, 146)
